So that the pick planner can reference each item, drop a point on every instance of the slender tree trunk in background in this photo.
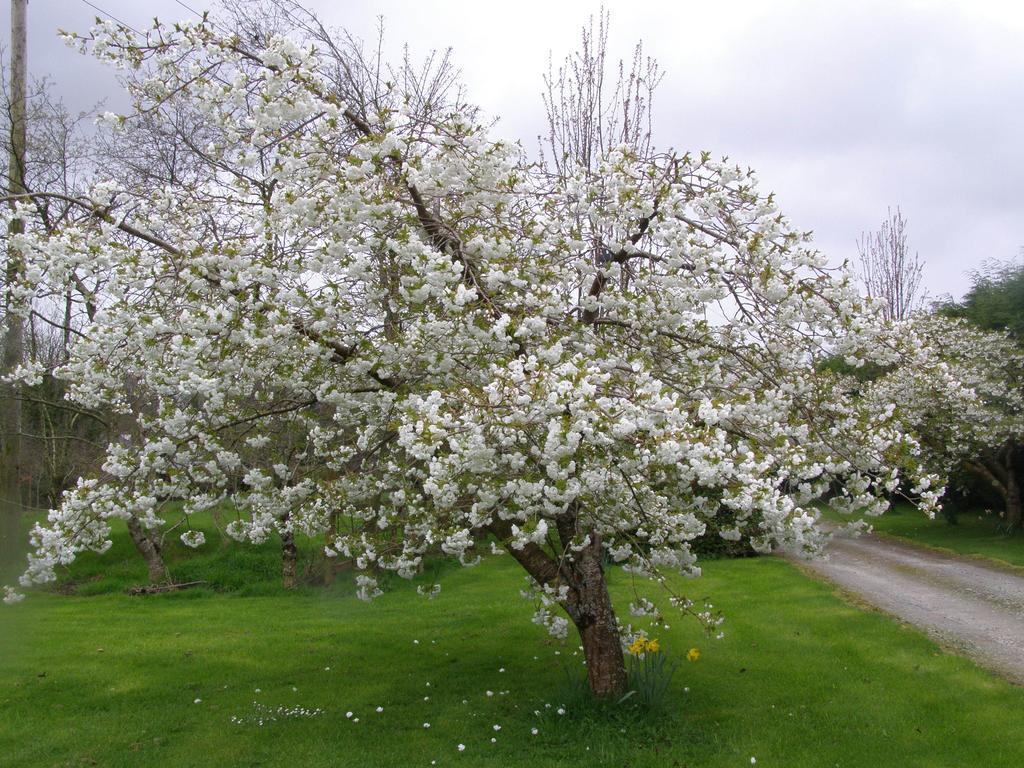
(68, 307)
(289, 556)
(330, 563)
(1013, 501)
(14, 330)
(13, 545)
(149, 548)
(1014, 517)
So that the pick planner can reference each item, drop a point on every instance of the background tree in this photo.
(588, 115)
(995, 300)
(961, 391)
(890, 273)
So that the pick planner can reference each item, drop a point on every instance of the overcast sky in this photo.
(843, 108)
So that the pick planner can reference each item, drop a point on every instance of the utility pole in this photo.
(14, 327)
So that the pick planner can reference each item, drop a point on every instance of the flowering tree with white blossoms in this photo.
(962, 390)
(391, 331)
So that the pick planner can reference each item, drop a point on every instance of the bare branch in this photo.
(890, 273)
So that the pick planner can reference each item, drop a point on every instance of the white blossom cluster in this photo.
(399, 324)
(546, 614)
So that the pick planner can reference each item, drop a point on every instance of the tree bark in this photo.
(149, 548)
(289, 556)
(594, 616)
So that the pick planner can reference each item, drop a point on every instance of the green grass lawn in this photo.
(98, 678)
(975, 533)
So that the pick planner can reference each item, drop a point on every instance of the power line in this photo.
(111, 16)
(189, 8)
(203, 17)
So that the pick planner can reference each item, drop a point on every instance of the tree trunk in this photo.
(12, 543)
(149, 548)
(289, 555)
(1000, 471)
(588, 603)
(594, 617)
(1013, 501)
(330, 563)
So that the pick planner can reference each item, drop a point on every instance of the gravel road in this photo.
(976, 608)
